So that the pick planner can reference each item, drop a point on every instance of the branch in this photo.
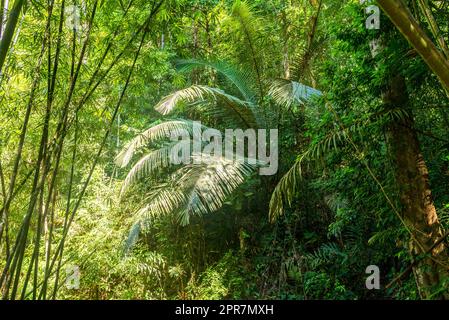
(415, 262)
(401, 16)
(424, 5)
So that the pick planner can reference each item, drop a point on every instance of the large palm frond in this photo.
(240, 79)
(154, 133)
(286, 92)
(286, 189)
(198, 189)
(147, 165)
(243, 110)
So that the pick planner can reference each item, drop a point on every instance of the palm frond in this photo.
(148, 164)
(251, 28)
(218, 180)
(165, 202)
(241, 80)
(384, 236)
(286, 188)
(301, 68)
(154, 133)
(197, 93)
(327, 253)
(286, 92)
(198, 189)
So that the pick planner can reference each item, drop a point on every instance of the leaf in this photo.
(286, 92)
(241, 80)
(198, 189)
(151, 135)
(132, 238)
(243, 111)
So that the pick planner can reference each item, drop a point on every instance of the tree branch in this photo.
(401, 16)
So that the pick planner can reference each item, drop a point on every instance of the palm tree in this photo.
(197, 189)
(202, 186)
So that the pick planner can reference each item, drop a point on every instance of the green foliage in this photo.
(86, 120)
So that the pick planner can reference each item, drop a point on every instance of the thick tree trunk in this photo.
(418, 210)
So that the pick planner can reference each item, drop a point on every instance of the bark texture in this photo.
(418, 209)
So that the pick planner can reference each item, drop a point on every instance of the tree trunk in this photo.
(418, 210)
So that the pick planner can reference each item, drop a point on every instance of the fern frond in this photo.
(325, 254)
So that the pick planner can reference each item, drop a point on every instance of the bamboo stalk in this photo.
(424, 5)
(9, 30)
(15, 260)
(96, 158)
(409, 27)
